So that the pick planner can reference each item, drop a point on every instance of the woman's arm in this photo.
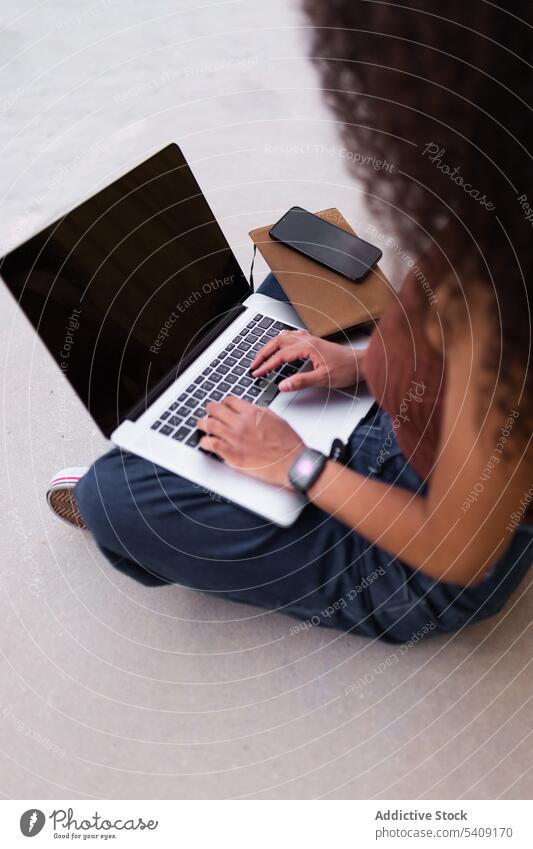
(459, 529)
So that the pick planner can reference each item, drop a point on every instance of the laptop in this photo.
(141, 302)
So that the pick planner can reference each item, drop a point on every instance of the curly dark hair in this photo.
(443, 91)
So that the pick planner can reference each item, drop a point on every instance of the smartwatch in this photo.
(306, 469)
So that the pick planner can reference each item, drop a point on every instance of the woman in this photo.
(427, 528)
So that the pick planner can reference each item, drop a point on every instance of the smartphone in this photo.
(326, 243)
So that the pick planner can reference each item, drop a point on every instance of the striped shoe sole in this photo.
(63, 503)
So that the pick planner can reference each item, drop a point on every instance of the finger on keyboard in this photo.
(265, 352)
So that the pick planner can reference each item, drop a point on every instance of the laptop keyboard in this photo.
(227, 374)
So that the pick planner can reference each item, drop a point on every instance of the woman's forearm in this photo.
(392, 517)
(358, 356)
(389, 516)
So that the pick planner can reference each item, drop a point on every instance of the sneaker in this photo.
(60, 496)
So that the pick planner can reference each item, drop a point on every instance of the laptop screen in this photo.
(126, 285)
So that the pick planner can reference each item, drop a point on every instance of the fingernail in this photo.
(285, 386)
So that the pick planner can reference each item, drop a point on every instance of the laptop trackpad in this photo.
(320, 415)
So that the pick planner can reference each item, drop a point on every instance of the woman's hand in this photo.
(334, 365)
(251, 439)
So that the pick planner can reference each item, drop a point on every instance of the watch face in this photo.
(305, 466)
(306, 469)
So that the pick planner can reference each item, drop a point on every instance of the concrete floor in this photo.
(112, 690)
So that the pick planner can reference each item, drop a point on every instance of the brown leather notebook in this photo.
(326, 302)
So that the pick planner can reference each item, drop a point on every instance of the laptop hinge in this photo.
(184, 363)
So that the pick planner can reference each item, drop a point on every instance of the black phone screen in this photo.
(326, 243)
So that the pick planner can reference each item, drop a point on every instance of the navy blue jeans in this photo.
(161, 528)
